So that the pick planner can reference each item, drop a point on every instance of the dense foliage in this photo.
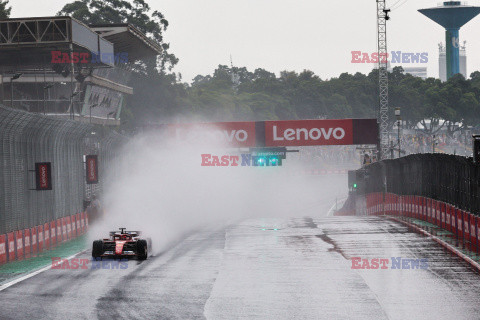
(4, 10)
(262, 95)
(160, 96)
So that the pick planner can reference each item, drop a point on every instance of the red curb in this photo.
(446, 245)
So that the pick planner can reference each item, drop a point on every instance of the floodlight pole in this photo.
(382, 17)
(72, 112)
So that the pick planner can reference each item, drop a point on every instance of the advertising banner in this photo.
(43, 176)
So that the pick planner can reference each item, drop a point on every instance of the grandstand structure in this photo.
(62, 68)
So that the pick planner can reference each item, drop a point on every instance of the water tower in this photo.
(452, 16)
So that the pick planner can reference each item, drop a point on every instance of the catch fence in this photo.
(447, 178)
(27, 139)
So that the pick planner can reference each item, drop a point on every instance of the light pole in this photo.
(14, 77)
(72, 111)
(476, 148)
(92, 106)
(399, 122)
(45, 88)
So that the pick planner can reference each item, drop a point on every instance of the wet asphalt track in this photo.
(300, 271)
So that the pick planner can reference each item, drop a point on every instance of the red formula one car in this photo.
(122, 244)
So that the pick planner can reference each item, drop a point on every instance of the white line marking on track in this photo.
(25, 277)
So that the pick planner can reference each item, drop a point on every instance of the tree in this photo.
(4, 10)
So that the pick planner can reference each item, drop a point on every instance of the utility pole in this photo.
(382, 17)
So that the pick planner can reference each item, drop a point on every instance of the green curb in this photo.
(446, 236)
(17, 268)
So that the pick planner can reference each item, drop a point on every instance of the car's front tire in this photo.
(142, 249)
(97, 249)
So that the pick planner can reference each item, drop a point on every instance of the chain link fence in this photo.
(26, 139)
(448, 178)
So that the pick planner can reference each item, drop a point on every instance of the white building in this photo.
(442, 61)
(420, 72)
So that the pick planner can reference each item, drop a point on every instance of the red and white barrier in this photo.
(453, 219)
(443, 215)
(438, 208)
(63, 222)
(477, 220)
(27, 243)
(11, 246)
(466, 225)
(473, 229)
(69, 228)
(74, 226)
(459, 215)
(82, 222)
(448, 218)
(42, 244)
(53, 234)
(433, 204)
(3, 249)
(410, 206)
(78, 218)
(423, 208)
(33, 232)
(19, 244)
(59, 233)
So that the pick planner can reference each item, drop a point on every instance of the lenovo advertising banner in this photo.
(92, 169)
(43, 176)
(233, 134)
(308, 132)
(321, 132)
(279, 133)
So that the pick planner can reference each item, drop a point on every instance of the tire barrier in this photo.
(464, 225)
(24, 244)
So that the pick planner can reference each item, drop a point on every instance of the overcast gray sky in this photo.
(289, 34)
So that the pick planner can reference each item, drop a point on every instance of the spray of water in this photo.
(163, 190)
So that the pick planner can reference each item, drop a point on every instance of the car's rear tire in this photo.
(97, 249)
(142, 249)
